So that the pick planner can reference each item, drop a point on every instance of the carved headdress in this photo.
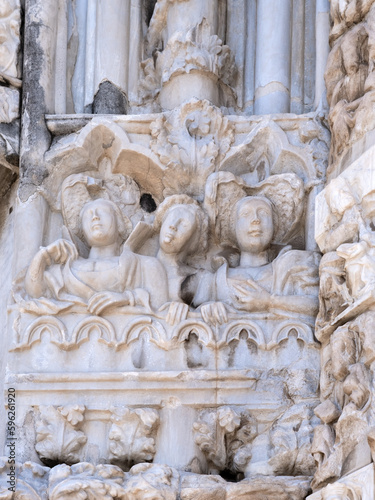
(285, 192)
(79, 189)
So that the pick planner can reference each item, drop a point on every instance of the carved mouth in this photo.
(255, 232)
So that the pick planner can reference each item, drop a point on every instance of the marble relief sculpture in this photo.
(109, 277)
(187, 255)
(261, 282)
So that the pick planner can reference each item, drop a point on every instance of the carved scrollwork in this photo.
(58, 438)
(132, 435)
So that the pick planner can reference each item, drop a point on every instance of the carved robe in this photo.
(293, 272)
(68, 286)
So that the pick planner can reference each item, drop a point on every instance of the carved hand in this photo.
(251, 301)
(214, 313)
(102, 300)
(177, 312)
(59, 251)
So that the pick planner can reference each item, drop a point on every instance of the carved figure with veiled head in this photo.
(111, 275)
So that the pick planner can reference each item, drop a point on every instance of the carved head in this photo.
(254, 226)
(102, 223)
(81, 195)
(344, 351)
(183, 226)
(282, 195)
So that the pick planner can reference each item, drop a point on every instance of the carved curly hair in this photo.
(200, 238)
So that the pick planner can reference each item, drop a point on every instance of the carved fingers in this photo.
(102, 300)
(59, 252)
(214, 313)
(249, 300)
(177, 312)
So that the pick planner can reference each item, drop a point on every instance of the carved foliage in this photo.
(85, 481)
(132, 435)
(158, 482)
(58, 438)
(191, 141)
(290, 439)
(31, 481)
(346, 412)
(194, 50)
(225, 438)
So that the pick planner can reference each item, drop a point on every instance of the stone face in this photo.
(187, 302)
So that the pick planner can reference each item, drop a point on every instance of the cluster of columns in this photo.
(281, 47)
(96, 40)
(286, 53)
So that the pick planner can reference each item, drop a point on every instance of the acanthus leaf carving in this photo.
(58, 438)
(212, 432)
(192, 142)
(185, 52)
(86, 481)
(31, 481)
(132, 435)
(152, 481)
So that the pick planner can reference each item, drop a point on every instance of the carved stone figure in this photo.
(334, 295)
(183, 228)
(352, 426)
(261, 282)
(110, 277)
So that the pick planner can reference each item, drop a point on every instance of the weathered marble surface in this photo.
(142, 481)
(165, 259)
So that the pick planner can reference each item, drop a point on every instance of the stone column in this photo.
(322, 47)
(187, 56)
(273, 56)
(61, 57)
